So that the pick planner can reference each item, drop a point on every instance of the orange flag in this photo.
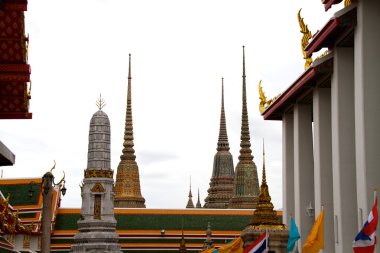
(315, 241)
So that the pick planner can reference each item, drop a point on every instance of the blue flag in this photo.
(294, 235)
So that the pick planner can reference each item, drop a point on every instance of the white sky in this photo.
(180, 50)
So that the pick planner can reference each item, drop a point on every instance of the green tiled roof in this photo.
(160, 221)
(20, 193)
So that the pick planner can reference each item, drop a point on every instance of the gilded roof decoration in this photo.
(305, 39)
(264, 103)
(98, 187)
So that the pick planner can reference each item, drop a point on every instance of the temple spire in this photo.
(128, 150)
(246, 183)
(223, 138)
(127, 186)
(264, 215)
(222, 179)
(198, 205)
(190, 203)
(245, 143)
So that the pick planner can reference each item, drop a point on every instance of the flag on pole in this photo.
(365, 241)
(236, 246)
(294, 235)
(315, 241)
(260, 245)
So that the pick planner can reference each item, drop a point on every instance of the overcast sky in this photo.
(180, 51)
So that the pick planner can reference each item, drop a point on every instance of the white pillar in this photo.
(287, 167)
(322, 162)
(343, 149)
(303, 168)
(367, 105)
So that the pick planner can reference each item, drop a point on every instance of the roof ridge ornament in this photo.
(264, 103)
(100, 103)
(347, 3)
(305, 39)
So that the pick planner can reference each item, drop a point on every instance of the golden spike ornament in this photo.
(51, 170)
(347, 3)
(305, 39)
(264, 103)
(63, 179)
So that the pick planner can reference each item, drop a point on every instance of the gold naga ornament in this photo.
(264, 103)
(305, 39)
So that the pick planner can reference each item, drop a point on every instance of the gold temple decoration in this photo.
(98, 187)
(98, 207)
(264, 103)
(347, 3)
(264, 215)
(26, 241)
(98, 173)
(62, 179)
(100, 103)
(305, 39)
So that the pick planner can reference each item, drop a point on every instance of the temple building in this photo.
(246, 183)
(222, 179)
(127, 186)
(331, 126)
(97, 221)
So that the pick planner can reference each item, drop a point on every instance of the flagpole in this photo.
(374, 200)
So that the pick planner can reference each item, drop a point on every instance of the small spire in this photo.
(199, 205)
(245, 144)
(208, 243)
(100, 103)
(264, 179)
(182, 245)
(128, 150)
(190, 203)
(223, 138)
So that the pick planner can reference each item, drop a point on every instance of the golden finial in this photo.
(305, 39)
(51, 170)
(264, 103)
(347, 3)
(100, 103)
(263, 99)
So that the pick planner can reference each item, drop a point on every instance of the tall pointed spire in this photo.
(190, 203)
(223, 138)
(246, 183)
(198, 205)
(221, 183)
(264, 215)
(127, 186)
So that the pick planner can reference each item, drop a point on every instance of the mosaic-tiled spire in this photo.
(223, 144)
(222, 179)
(127, 187)
(246, 183)
(264, 215)
(182, 245)
(190, 203)
(198, 205)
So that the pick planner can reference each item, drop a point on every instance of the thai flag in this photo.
(365, 241)
(260, 245)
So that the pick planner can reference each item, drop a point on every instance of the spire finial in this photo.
(245, 143)
(100, 103)
(223, 138)
(128, 150)
(198, 205)
(264, 180)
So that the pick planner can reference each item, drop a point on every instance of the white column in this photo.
(322, 162)
(287, 167)
(303, 168)
(343, 149)
(367, 105)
